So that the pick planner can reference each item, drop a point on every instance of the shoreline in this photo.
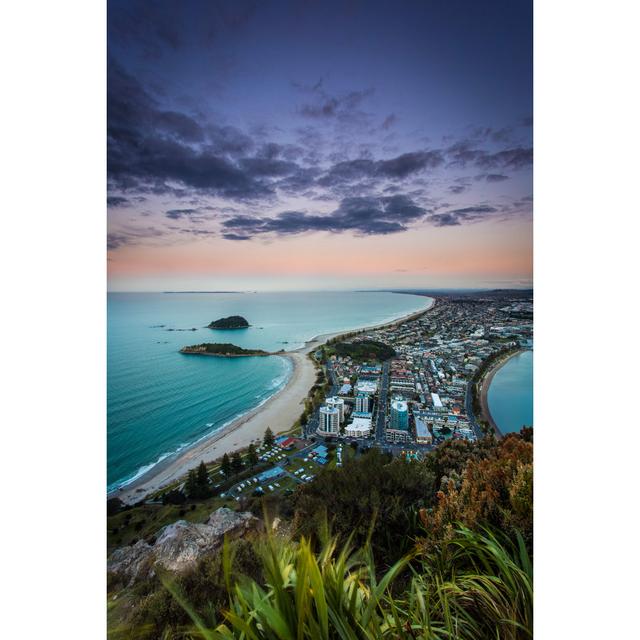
(322, 338)
(485, 384)
(278, 412)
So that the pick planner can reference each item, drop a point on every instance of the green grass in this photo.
(479, 587)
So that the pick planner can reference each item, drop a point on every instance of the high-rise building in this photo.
(362, 402)
(329, 420)
(399, 415)
(338, 403)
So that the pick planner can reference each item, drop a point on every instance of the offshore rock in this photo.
(178, 546)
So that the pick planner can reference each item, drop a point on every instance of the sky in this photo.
(319, 144)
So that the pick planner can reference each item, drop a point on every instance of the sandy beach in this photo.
(315, 342)
(278, 413)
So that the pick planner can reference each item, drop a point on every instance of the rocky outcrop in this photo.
(178, 546)
(232, 322)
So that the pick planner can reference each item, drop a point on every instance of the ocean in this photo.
(160, 401)
(510, 394)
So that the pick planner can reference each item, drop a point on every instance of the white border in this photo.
(53, 539)
(53, 320)
(586, 439)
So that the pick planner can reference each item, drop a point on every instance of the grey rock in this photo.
(131, 562)
(179, 546)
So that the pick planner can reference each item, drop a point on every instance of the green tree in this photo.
(203, 476)
(226, 465)
(395, 491)
(269, 440)
(191, 487)
(236, 463)
(252, 456)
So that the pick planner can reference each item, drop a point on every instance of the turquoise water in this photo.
(510, 394)
(159, 401)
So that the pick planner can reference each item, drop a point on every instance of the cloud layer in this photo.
(161, 151)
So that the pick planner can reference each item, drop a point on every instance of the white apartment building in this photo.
(338, 403)
(329, 420)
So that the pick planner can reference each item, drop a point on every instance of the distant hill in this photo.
(231, 322)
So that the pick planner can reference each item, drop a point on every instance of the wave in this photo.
(276, 385)
(157, 394)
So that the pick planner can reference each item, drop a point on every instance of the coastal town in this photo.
(425, 393)
(403, 388)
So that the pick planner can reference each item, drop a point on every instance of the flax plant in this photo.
(479, 586)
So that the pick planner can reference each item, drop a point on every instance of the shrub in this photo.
(369, 496)
(114, 505)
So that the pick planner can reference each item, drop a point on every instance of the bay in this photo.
(510, 394)
(160, 401)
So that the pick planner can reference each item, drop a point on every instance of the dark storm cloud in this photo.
(496, 177)
(395, 168)
(177, 214)
(362, 216)
(169, 152)
(270, 150)
(466, 152)
(299, 181)
(263, 167)
(166, 152)
(150, 148)
(117, 201)
(179, 125)
(462, 153)
(115, 240)
(460, 185)
(460, 216)
(409, 163)
(517, 158)
(229, 140)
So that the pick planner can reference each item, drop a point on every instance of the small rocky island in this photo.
(232, 322)
(222, 350)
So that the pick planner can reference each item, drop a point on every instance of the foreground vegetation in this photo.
(439, 548)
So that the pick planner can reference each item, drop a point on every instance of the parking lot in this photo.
(290, 468)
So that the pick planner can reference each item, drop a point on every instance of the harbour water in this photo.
(510, 394)
(160, 401)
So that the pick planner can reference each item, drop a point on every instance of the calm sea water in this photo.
(510, 395)
(160, 401)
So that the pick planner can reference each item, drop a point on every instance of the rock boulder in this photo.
(178, 546)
